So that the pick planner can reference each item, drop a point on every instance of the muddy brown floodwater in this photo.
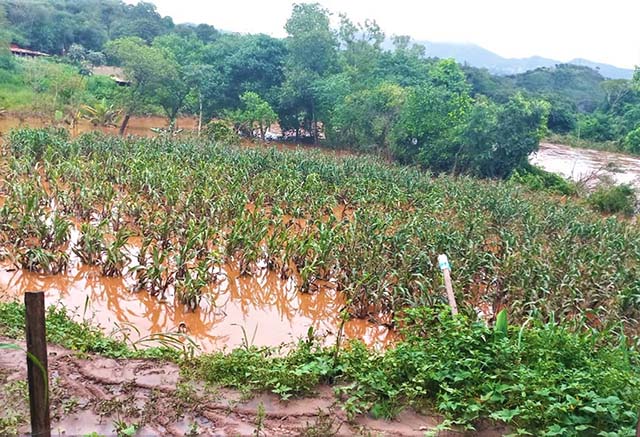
(140, 126)
(581, 164)
(267, 310)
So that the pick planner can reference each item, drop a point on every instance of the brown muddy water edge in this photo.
(93, 394)
(140, 126)
(261, 309)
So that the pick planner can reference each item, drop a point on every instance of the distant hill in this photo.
(477, 56)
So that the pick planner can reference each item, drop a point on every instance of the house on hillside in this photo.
(16, 50)
(115, 73)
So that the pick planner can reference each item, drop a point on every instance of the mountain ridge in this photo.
(478, 56)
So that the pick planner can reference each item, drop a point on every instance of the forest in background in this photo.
(335, 84)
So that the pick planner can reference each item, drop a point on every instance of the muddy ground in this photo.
(92, 394)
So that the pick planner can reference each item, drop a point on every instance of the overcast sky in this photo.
(598, 30)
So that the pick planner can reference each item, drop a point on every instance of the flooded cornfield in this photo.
(236, 245)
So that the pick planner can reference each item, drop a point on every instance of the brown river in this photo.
(260, 309)
(583, 164)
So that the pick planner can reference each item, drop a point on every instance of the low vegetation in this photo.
(614, 199)
(78, 336)
(539, 378)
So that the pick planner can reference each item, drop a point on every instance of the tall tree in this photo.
(150, 69)
(183, 52)
(312, 55)
(361, 48)
(430, 126)
(500, 138)
(5, 39)
(245, 63)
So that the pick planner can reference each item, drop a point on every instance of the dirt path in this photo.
(96, 394)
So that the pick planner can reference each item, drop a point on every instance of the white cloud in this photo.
(560, 29)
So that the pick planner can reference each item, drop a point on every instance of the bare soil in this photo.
(90, 394)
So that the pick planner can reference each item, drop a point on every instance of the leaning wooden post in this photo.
(37, 367)
(443, 261)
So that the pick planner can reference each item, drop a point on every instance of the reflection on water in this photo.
(271, 311)
(579, 164)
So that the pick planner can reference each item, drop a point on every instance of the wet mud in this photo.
(95, 394)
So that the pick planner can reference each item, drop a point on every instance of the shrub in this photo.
(632, 142)
(614, 199)
(538, 179)
(221, 131)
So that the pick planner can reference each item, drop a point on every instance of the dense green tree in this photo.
(312, 55)
(245, 63)
(497, 88)
(255, 115)
(361, 49)
(344, 81)
(53, 26)
(563, 114)
(405, 64)
(5, 39)
(597, 127)
(204, 32)
(615, 92)
(366, 117)
(205, 83)
(500, 138)
(632, 141)
(431, 123)
(184, 53)
(143, 21)
(153, 73)
(578, 84)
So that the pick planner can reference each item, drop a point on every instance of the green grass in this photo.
(81, 337)
(15, 94)
(540, 379)
(16, 97)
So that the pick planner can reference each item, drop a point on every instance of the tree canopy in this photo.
(336, 80)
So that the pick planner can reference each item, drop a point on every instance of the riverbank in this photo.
(478, 377)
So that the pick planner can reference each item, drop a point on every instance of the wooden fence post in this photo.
(37, 366)
(443, 261)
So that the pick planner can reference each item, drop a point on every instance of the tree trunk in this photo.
(200, 114)
(125, 122)
(314, 125)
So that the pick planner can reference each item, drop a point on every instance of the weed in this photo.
(324, 425)
(260, 416)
